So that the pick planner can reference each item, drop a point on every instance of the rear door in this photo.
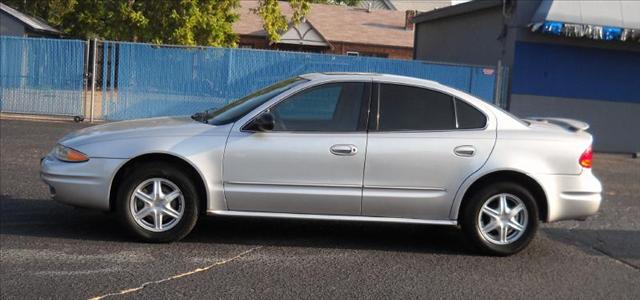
(312, 162)
(421, 148)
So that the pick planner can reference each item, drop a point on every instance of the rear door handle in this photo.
(343, 150)
(465, 151)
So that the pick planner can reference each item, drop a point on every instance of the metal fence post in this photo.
(85, 78)
(499, 77)
(93, 78)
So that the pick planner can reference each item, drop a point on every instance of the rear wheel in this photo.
(158, 202)
(500, 219)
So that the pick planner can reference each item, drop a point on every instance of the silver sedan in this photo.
(336, 146)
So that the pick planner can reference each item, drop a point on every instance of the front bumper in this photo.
(86, 184)
(571, 197)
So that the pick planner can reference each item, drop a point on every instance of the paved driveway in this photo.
(49, 250)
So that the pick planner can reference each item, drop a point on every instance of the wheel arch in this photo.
(192, 171)
(518, 177)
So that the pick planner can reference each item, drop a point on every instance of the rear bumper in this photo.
(571, 196)
(85, 184)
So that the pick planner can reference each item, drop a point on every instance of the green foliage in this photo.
(50, 11)
(183, 22)
(274, 22)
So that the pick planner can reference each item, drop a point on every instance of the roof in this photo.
(420, 5)
(366, 75)
(376, 4)
(403, 5)
(615, 13)
(455, 10)
(29, 21)
(338, 23)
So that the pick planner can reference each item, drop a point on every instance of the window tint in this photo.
(413, 108)
(468, 116)
(330, 107)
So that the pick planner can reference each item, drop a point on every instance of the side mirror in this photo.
(264, 122)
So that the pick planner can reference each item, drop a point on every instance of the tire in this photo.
(475, 215)
(175, 223)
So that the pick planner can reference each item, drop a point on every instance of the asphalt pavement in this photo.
(49, 250)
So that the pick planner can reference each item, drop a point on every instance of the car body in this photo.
(367, 160)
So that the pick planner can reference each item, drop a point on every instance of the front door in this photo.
(311, 162)
(424, 145)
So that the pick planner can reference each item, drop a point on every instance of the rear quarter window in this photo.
(468, 116)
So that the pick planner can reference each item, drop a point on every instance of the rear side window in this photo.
(412, 108)
(468, 116)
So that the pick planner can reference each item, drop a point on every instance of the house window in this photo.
(373, 54)
(247, 46)
(370, 54)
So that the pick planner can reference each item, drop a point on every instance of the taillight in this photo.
(586, 159)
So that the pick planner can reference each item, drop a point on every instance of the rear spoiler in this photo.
(571, 124)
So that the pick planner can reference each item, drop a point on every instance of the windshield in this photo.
(238, 108)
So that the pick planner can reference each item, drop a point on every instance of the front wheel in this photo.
(500, 219)
(158, 202)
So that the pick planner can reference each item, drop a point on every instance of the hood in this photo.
(152, 127)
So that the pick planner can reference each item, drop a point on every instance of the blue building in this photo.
(578, 59)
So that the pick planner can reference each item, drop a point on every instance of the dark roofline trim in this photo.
(455, 10)
(33, 29)
(12, 13)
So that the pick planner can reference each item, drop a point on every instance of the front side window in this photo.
(240, 107)
(407, 108)
(329, 107)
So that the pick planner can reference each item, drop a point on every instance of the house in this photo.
(404, 5)
(15, 23)
(576, 59)
(334, 29)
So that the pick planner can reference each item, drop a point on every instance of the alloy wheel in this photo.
(157, 204)
(503, 219)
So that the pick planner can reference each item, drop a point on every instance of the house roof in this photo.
(455, 10)
(29, 21)
(338, 23)
(403, 5)
(420, 5)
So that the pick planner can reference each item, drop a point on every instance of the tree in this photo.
(183, 22)
(50, 11)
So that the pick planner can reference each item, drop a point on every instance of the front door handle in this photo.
(465, 151)
(343, 150)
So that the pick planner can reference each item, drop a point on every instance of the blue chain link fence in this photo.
(41, 76)
(44, 76)
(160, 81)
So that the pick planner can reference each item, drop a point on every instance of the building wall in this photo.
(260, 42)
(9, 26)
(390, 52)
(471, 38)
(595, 85)
(590, 80)
(614, 125)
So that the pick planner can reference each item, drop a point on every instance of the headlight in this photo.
(67, 154)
